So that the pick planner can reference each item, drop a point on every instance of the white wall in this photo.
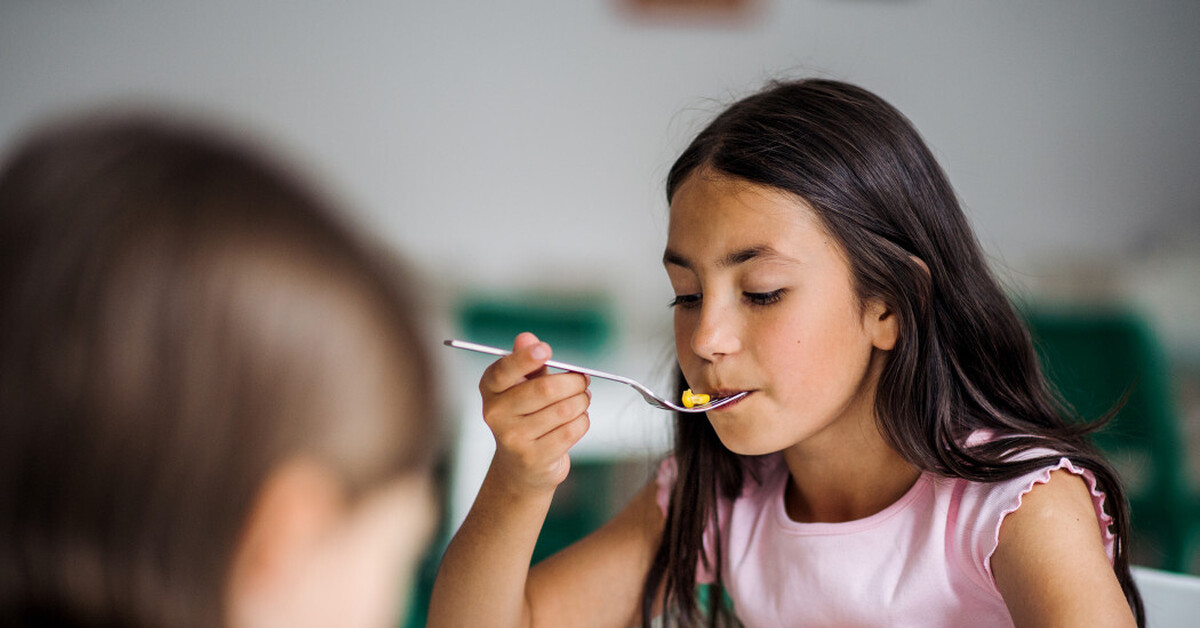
(514, 142)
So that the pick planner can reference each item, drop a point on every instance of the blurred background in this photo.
(515, 152)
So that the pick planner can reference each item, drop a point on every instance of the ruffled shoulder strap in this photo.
(982, 507)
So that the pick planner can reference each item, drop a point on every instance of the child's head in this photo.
(215, 404)
(809, 160)
(876, 189)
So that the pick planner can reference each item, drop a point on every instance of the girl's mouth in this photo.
(719, 395)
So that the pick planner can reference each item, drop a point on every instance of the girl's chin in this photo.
(745, 444)
(749, 449)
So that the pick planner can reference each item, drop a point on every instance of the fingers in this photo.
(527, 359)
(566, 434)
(517, 384)
(542, 422)
(532, 450)
(536, 406)
(535, 416)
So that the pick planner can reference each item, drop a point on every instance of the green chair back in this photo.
(1094, 359)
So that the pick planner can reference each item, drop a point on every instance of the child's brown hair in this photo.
(178, 317)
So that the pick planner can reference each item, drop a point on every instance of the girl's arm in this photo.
(484, 578)
(598, 581)
(1050, 563)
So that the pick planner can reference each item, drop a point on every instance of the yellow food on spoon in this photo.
(691, 399)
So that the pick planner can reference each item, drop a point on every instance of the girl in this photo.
(898, 460)
(214, 405)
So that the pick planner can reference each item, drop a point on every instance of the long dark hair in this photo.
(176, 312)
(963, 360)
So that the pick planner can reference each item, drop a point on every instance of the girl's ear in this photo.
(882, 323)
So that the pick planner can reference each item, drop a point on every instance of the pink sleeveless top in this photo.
(922, 561)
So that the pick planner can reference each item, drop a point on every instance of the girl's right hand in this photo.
(535, 416)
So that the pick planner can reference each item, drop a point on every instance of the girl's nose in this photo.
(716, 332)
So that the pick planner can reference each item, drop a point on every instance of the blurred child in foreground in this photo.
(215, 409)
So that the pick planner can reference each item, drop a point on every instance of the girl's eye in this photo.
(764, 298)
(685, 300)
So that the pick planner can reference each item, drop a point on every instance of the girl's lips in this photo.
(728, 393)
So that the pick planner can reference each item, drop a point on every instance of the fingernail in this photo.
(540, 352)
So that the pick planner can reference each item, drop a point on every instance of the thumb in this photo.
(524, 339)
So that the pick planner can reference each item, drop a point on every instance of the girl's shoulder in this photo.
(976, 510)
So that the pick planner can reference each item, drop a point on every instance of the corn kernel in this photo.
(691, 399)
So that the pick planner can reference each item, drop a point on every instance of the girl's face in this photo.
(765, 303)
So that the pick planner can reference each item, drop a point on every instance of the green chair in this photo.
(1093, 359)
(579, 324)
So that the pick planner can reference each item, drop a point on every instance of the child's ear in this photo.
(883, 325)
(297, 505)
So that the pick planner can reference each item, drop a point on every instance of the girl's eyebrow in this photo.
(741, 256)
